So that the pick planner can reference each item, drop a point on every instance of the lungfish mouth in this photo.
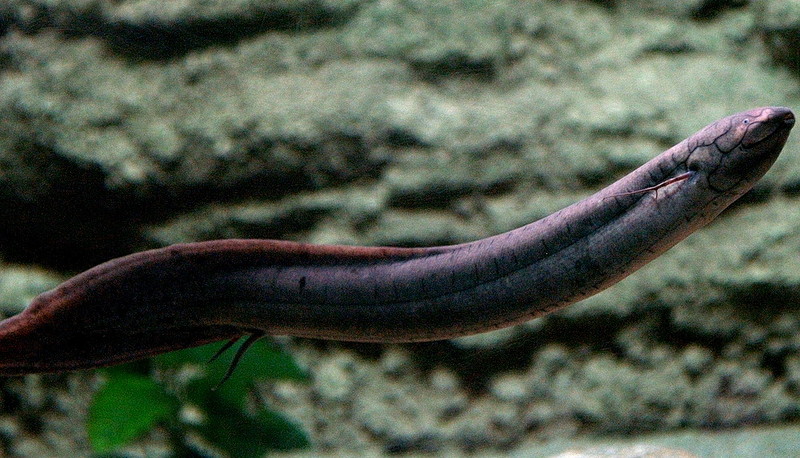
(781, 122)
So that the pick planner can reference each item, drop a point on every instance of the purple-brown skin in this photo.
(190, 294)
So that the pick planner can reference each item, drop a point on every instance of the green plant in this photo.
(132, 402)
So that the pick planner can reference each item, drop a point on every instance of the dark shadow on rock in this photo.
(60, 214)
(155, 39)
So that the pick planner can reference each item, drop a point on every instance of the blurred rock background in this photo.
(135, 124)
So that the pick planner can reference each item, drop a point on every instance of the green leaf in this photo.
(283, 433)
(126, 407)
(251, 436)
(141, 367)
(227, 426)
(194, 355)
(263, 360)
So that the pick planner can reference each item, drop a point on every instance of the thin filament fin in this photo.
(222, 349)
(251, 339)
(667, 182)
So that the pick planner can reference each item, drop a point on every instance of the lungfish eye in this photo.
(745, 121)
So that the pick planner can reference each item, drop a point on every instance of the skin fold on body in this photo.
(190, 294)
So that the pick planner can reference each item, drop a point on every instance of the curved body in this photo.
(189, 294)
